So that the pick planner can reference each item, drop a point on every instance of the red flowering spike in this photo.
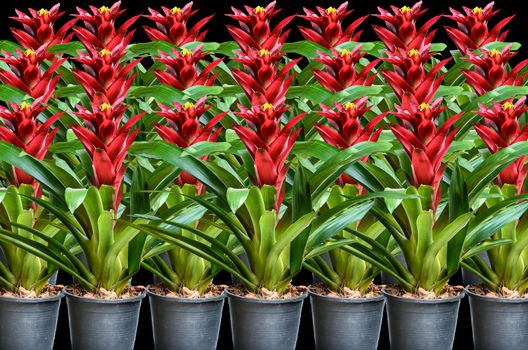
(39, 31)
(400, 30)
(22, 129)
(106, 139)
(500, 129)
(345, 128)
(254, 31)
(185, 130)
(27, 75)
(326, 26)
(490, 70)
(181, 69)
(342, 70)
(424, 142)
(472, 31)
(172, 25)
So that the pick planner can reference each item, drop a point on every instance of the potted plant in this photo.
(25, 286)
(499, 306)
(186, 308)
(347, 304)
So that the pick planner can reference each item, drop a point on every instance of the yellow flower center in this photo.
(413, 52)
(263, 52)
(42, 12)
(477, 10)
(494, 52)
(507, 105)
(331, 10)
(344, 52)
(424, 106)
(105, 52)
(24, 106)
(186, 52)
(104, 9)
(266, 107)
(175, 10)
(105, 107)
(349, 105)
(188, 105)
(259, 9)
(30, 52)
(405, 9)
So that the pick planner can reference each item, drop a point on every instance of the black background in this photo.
(217, 32)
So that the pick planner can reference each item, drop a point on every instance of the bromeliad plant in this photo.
(506, 272)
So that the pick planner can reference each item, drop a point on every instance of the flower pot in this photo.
(346, 323)
(468, 277)
(103, 323)
(28, 323)
(422, 323)
(185, 323)
(262, 324)
(498, 323)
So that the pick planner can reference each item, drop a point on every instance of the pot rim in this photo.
(494, 299)
(267, 301)
(346, 300)
(33, 300)
(104, 301)
(185, 300)
(413, 300)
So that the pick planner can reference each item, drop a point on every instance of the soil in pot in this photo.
(424, 320)
(28, 320)
(186, 320)
(498, 320)
(103, 321)
(266, 320)
(349, 320)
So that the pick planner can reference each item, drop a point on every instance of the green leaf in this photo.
(458, 205)
(70, 48)
(161, 93)
(9, 46)
(74, 197)
(236, 197)
(304, 48)
(301, 205)
(198, 91)
(499, 45)
(11, 94)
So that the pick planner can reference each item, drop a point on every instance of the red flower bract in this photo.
(345, 129)
(268, 142)
(473, 32)
(182, 70)
(26, 73)
(171, 25)
(490, 70)
(184, 129)
(501, 129)
(342, 71)
(255, 31)
(401, 31)
(425, 144)
(99, 31)
(327, 24)
(106, 139)
(38, 29)
(22, 129)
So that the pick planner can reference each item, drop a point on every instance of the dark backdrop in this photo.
(217, 32)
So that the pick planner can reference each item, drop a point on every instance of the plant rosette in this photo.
(24, 288)
(186, 308)
(501, 297)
